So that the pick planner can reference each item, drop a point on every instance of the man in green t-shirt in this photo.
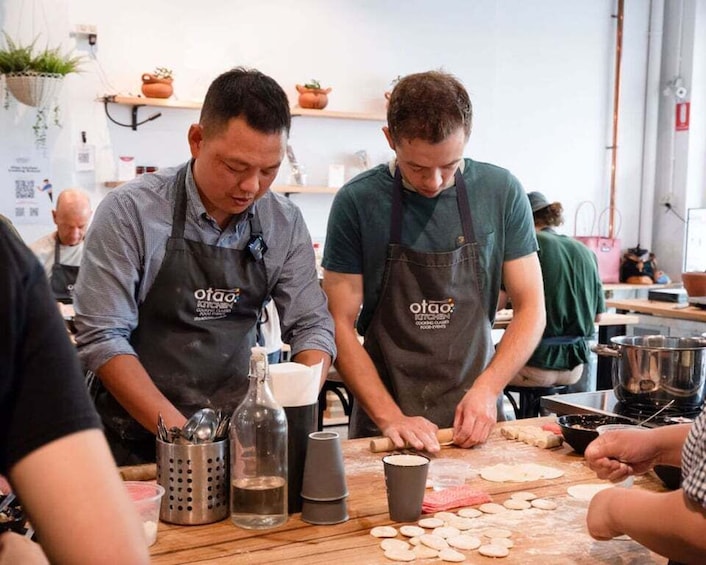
(573, 294)
(423, 245)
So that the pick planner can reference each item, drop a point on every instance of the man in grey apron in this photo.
(423, 245)
(60, 252)
(178, 265)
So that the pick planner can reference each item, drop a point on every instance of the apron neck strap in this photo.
(461, 200)
(179, 216)
(57, 245)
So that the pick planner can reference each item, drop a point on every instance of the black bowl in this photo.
(670, 475)
(12, 518)
(580, 429)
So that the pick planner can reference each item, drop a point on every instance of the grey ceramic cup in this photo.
(324, 475)
(405, 481)
(324, 512)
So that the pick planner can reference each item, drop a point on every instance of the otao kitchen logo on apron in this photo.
(215, 303)
(432, 314)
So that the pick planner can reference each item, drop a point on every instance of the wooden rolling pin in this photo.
(378, 444)
(146, 472)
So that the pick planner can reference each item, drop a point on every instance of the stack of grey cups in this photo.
(324, 489)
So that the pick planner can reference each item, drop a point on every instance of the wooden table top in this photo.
(607, 319)
(540, 536)
(659, 308)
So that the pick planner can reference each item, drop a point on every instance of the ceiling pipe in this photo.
(616, 111)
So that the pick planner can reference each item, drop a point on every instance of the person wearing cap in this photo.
(423, 244)
(574, 300)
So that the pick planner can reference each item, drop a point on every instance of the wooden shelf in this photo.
(195, 105)
(160, 102)
(113, 183)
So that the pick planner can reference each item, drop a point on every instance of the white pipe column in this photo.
(651, 121)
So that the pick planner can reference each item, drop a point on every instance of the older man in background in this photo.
(60, 252)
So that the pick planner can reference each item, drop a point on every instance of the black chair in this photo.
(334, 384)
(530, 398)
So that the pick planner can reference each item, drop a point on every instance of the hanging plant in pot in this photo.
(35, 79)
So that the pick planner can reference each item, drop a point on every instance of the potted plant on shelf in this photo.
(35, 79)
(311, 95)
(158, 84)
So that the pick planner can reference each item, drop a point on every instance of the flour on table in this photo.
(521, 472)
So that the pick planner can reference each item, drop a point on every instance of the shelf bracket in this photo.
(134, 123)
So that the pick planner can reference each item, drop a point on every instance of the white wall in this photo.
(540, 74)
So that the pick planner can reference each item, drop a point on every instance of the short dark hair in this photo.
(429, 106)
(248, 93)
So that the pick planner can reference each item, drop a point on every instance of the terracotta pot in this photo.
(315, 98)
(154, 87)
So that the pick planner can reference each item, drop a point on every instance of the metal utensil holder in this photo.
(195, 478)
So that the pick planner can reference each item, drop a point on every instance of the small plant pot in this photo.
(313, 98)
(155, 87)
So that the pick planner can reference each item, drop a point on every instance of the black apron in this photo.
(195, 327)
(63, 277)
(429, 337)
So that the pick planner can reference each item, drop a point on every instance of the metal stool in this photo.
(530, 398)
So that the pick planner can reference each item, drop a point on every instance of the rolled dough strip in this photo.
(548, 440)
(380, 444)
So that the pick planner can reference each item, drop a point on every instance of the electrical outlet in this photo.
(666, 199)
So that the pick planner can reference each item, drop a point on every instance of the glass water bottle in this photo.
(258, 452)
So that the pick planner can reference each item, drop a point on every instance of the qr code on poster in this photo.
(19, 212)
(24, 189)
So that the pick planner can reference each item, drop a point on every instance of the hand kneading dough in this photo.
(383, 532)
(451, 555)
(400, 555)
(491, 550)
(464, 542)
(411, 531)
(392, 544)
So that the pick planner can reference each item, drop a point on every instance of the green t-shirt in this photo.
(573, 295)
(359, 227)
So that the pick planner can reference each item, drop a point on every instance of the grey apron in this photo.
(196, 327)
(63, 277)
(429, 337)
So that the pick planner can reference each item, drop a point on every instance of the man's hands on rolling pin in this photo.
(412, 431)
(475, 417)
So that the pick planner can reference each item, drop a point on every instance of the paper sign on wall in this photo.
(26, 196)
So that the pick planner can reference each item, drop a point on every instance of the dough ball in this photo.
(392, 544)
(451, 555)
(431, 522)
(412, 531)
(383, 532)
(446, 532)
(544, 504)
(464, 541)
(523, 495)
(435, 542)
(492, 508)
(491, 550)
(515, 504)
(469, 513)
(400, 555)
